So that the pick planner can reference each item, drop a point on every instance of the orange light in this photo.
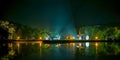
(73, 38)
(40, 38)
(96, 38)
(18, 38)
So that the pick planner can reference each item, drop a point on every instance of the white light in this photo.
(87, 37)
(87, 44)
(47, 38)
(79, 38)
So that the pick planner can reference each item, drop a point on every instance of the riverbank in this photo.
(58, 41)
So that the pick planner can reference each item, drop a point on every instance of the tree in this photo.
(3, 34)
(7, 26)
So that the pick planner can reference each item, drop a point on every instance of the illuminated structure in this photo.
(70, 37)
(79, 37)
(47, 38)
(58, 37)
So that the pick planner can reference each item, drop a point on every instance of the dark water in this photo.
(63, 51)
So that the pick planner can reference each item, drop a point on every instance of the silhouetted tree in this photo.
(3, 34)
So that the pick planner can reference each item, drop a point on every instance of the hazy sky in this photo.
(60, 13)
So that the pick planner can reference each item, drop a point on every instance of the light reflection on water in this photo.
(63, 51)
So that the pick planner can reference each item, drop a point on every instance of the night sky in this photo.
(60, 13)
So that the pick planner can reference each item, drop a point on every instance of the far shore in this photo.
(58, 41)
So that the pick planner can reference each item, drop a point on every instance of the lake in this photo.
(60, 51)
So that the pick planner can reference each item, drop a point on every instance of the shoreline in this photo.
(57, 41)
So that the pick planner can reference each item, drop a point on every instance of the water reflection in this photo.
(87, 44)
(58, 45)
(18, 46)
(65, 51)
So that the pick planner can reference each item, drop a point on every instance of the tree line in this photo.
(12, 30)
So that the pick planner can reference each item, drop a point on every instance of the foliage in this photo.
(102, 32)
(27, 33)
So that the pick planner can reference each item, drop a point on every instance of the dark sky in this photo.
(60, 13)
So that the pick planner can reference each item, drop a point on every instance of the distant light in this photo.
(80, 38)
(87, 37)
(40, 38)
(18, 38)
(47, 38)
(96, 38)
(54, 38)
